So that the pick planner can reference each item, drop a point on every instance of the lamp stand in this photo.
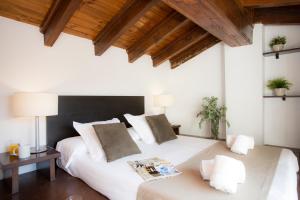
(37, 148)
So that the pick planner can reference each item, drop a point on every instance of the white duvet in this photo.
(118, 181)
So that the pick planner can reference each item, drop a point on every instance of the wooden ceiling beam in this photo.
(129, 14)
(205, 43)
(268, 3)
(226, 20)
(180, 44)
(277, 16)
(58, 16)
(165, 28)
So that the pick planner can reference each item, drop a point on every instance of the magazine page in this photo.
(153, 168)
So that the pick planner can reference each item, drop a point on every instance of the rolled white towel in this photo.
(230, 140)
(225, 176)
(242, 144)
(206, 168)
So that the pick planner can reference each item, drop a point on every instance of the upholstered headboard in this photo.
(87, 109)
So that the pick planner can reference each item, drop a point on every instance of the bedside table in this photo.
(176, 128)
(13, 163)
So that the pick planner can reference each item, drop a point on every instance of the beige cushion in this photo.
(161, 128)
(116, 141)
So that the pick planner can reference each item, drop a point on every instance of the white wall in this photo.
(243, 78)
(235, 75)
(71, 68)
(281, 118)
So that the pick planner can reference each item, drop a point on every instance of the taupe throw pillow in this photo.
(161, 128)
(116, 141)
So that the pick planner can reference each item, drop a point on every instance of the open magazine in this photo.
(153, 168)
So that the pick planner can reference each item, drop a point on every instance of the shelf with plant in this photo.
(277, 45)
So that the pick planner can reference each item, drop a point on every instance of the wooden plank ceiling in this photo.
(164, 29)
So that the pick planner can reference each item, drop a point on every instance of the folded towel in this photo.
(230, 139)
(206, 168)
(227, 173)
(242, 144)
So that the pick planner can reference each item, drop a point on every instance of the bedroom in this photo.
(236, 75)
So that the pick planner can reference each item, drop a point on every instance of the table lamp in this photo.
(35, 105)
(164, 101)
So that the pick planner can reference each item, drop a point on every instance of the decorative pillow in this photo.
(141, 126)
(116, 141)
(90, 138)
(161, 128)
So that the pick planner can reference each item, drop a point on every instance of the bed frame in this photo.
(87, 109)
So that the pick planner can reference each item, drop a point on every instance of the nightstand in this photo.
(176, 128)
(13, 163)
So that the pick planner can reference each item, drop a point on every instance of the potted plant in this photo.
(277, 43)
(213, 114)
(279, 86)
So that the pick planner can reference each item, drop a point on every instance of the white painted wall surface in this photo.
(71, 68)
(281, 118)
(243, 83)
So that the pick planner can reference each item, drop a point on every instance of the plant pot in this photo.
(279, 92)
(278, 47)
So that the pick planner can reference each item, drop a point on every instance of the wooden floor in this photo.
(36, 186)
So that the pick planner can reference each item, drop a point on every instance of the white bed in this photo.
(118, 181)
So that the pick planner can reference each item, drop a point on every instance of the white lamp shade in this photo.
(34, 104)
(164, 100)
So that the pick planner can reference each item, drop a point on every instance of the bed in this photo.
(117, 180)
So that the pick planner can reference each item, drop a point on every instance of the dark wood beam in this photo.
(180, 44)
(129, 14)
(226, 20)
(207, 42)
(268, 3)
(280, 15)
(165, 28)
(58, 16)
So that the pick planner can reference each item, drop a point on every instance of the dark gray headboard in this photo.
(87, 109)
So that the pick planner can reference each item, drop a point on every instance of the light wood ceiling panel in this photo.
(165, 42)
(145, 24)
(92, 17)
(27, 11)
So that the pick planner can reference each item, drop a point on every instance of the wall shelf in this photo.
(283, 97)
(277, 53)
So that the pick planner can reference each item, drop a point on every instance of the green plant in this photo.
(279, 83)
(213, 114)
(278, 40)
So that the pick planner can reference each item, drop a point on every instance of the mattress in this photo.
(118, 181)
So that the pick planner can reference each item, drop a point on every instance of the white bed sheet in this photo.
(118, 181)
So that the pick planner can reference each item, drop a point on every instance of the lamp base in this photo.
(41, 149)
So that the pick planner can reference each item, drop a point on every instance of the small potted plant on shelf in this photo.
(279, 86)
(213, 114)
(277, 43)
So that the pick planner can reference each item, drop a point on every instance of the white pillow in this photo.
(133, 134)
(140, 125)
(70, 147)
(88, 134)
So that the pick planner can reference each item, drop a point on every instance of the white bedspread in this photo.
(118, 181)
